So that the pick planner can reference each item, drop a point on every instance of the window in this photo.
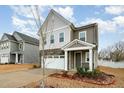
(82, 36)
(52, 39)
(61, 37)
(62, 56)
(20, 46)
(56, 56)
(87, 57)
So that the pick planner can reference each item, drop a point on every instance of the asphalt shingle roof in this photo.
(10, 37)
(28, 39)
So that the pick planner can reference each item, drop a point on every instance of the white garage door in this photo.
(54, 62)
(4, 59)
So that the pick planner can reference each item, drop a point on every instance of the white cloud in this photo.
(22, 10)
(104, 26)
(66, 12)
(115, 10)
(19, 23)
(119, 20)
(23, 19)
(25, 26)
(113, 25)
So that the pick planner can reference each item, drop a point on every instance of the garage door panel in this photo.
(4, 59)
(54, 63)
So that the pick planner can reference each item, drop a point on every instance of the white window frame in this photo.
(63, 37)
(21, 46)
(84, 33)
(53, 39)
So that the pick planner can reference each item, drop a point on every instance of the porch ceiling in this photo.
(77, 45)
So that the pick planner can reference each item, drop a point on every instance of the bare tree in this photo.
(118, 52)
(114, 53)
(37, 19)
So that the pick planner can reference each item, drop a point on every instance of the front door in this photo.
(78, 60)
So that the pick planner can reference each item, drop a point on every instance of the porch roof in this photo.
(17, 52)
(77, 45)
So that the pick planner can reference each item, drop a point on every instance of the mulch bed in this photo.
(104, 79)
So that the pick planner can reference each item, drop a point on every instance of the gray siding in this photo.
(4, 38)
(14, 46)
(31, 53)
(91, 34)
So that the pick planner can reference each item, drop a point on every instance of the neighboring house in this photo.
(66, 46)
(18, 48)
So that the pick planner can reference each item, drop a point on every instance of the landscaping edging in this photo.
(108, 81)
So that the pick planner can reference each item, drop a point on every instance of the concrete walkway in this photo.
(21, 78)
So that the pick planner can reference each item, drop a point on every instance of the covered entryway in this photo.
(76, 54)
(17, 57)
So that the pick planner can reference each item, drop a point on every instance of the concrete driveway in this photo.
(21, 78)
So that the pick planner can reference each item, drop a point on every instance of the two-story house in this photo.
(66, 46)
(18, 48)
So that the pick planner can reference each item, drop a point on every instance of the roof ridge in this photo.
(25, 35)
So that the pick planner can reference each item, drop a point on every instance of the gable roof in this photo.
(10, 37)
(56, 14)
(67, 21)
(83, 27)
(76, 41)
(27, 38)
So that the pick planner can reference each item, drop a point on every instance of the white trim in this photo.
(90, 59)
(56, 29)
(85, 32)
(16, 60)
(63, 37)
(78, 41)
(66, 60)
(77, 48)
(75, 58)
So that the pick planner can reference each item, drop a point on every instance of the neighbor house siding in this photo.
(31, 53)
(14, 46)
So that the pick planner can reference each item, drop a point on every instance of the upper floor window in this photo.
(20, 46)
(61, 37)
(4, 45)
(82, 35)
(52, 39)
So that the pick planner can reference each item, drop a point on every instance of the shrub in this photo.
(82, 71)
(34, 66)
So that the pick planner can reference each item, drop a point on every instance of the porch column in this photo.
(90, 59)
(16, 58)
(66, 60)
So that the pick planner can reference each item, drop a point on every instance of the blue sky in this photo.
(110, 20)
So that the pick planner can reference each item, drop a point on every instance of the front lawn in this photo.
(70, 83)
(15, 67)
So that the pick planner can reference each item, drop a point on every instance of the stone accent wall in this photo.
(57, 51)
